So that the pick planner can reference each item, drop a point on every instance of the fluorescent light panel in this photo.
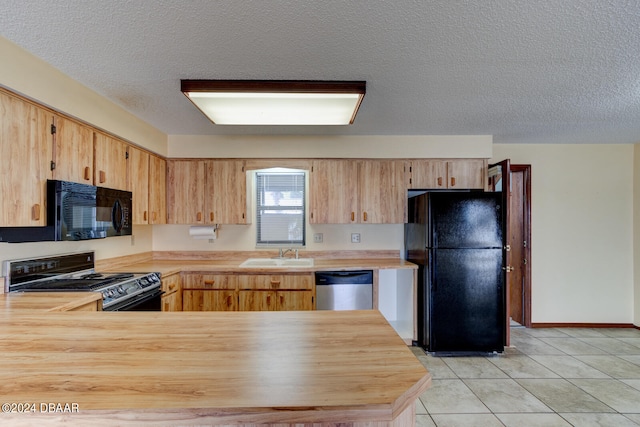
(276, 102)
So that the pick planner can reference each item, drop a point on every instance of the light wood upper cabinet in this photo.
(26, 151)
(333, 192)
(138, 183)
(383, 191)
(358, 191)
(73, 154)
(206, 192)
(185, 192)
(110, 161)
(448, 174)
(225, 195)
(157, 190)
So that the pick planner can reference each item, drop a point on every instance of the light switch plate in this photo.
(355, 237)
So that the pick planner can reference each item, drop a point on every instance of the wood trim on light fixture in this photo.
(275, 86)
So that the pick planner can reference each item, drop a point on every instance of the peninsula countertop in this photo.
(208, 368)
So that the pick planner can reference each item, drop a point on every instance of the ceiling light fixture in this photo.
(276, 102)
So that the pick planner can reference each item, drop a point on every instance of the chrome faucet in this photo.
(283, 252)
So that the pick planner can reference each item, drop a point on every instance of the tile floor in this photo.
(548, 377)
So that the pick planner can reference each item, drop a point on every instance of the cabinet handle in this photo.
(275, 282)
(453, 181)
(210, 282)
(211, 216)
(102, 176)
(229, 301)
(144, 216)
(269, 299)
(153, 217)
(36, 212)
(87, 173)
(439, 181)
(199, 216)
(281, 299)
(364, 216)
(353, 216)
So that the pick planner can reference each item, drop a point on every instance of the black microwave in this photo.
(78, 212)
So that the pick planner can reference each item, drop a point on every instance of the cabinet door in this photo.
(382, 191)
(209, 300)
(333, 188)
(295, 300)
(172, 301)
(157, 190)
(225, 196)
(26, 153)
(111, 161)
(466, 174)
(185, 191)
(73, 151)
(258, 301)
(138, 177)
(428, 174)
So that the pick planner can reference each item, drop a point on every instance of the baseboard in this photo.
(584, 325)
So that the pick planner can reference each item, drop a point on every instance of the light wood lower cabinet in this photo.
(209, 300)
(247, 292)
(172, 297)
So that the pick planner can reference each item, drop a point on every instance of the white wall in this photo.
(636, 232)
(582, 222)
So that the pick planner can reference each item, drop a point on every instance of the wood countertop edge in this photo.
(209, 416)
(81, 299)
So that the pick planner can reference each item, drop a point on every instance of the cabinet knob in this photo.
(439, 181)
(102, 177)
(36, 212)
(87, 173)
(353, 216)
(199, 216)
(145, 216)
(211, 216)
(453, 181)
(364, 216)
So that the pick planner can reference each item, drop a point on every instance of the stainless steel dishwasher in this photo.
(344, 290)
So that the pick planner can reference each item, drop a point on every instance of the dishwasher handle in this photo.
(344, 277)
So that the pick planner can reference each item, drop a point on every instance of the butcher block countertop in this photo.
(49, 301)
(168, 267)
(208, 368)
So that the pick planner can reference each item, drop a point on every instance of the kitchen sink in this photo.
(277, 262)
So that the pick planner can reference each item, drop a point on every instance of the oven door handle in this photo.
(136, 301)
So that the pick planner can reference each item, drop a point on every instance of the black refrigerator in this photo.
(457, 240)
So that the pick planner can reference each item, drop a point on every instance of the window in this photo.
(280, 207)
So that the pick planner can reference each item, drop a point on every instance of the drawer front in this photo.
(171, 283)
(209, 281)
(276, 281)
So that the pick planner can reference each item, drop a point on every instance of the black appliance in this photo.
(75, 273)
(457, 240)
(78, 212)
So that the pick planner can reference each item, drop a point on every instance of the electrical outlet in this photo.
(317, 238)
(355, 237)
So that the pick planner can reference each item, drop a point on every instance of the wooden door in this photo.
(466, 174)
(264, 300)
(382, 192)
(172, 301)
(138, 183)
(209, 300)
(295, 300)
(428, 174)
(26, 151)
(110, 161)
(333, 192)
(73, 154)
(225, 196)
(157, 190)
(185, 191)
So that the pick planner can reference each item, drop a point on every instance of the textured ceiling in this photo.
(554, 71)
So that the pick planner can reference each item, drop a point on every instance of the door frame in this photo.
(526, 221)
